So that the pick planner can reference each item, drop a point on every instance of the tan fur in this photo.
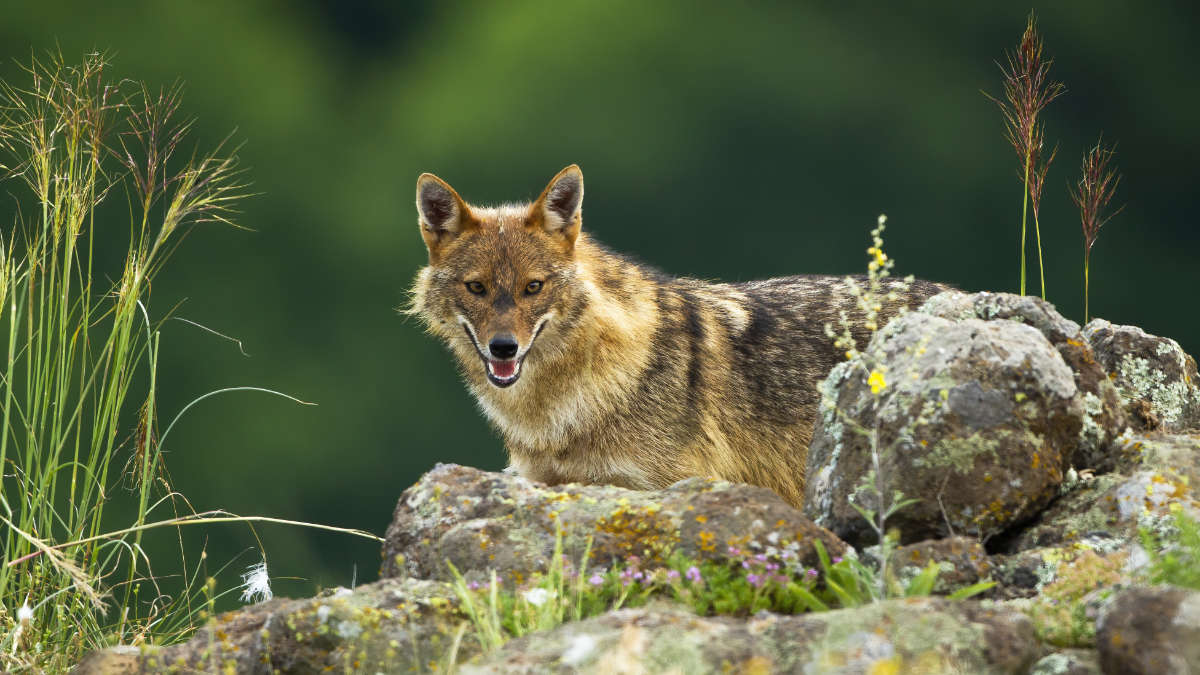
(628, 377)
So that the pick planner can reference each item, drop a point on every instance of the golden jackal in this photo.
(597, 369)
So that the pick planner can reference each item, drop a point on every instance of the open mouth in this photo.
(504, 373)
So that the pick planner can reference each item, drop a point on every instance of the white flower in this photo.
(537, 596)
(256, 585)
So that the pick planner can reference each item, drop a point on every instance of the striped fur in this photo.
(627, 376)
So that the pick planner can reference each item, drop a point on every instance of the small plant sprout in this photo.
(1027, 90)
(1092, 194)
(256, 584)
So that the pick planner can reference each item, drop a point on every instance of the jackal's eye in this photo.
(476, 287)
(533, 287)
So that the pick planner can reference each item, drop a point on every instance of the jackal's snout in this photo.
(503, 346)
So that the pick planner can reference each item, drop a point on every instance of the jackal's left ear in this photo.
(559, 210)
(444, 215)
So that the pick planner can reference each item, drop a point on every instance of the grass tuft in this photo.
(1028, 89)
(1095, 189)
(79, 382)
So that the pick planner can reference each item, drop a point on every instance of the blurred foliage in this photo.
(719, 140)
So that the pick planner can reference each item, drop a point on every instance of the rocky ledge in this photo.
(1039, 452)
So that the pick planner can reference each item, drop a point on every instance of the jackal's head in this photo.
(499, 278)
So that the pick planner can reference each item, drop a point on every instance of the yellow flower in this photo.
(876, 382)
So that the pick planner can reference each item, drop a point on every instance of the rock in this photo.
(1154, 375)
(978, 419)
(962, 561)
(483, 521)
(1105, 415)
(1175, 454)
(1104, 513)
(1150, 630)
(396, 625)
(927, 635)
(1023, 574)
(1068, 662)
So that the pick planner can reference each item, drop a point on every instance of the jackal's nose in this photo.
(503, 346)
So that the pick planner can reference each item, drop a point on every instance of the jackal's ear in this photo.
(559, 210)
(444, 215)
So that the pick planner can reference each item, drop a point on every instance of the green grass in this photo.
(80, 449)
(1174, 554)
(80, 380)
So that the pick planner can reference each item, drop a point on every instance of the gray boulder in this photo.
(962, 561)
(396, 625)
(482, 521)
(926, 635)
(979, 419)
(1152, 631)
(1155, 377)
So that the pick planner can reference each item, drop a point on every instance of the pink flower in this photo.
(693, 574)
(596, 579)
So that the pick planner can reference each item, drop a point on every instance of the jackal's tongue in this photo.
(503, 368)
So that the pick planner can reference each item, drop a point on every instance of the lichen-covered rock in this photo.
(962, 561)
(1068, 662)
(395, 625)
(925, 635)
(1150, 631)
(1105, 415)
(1023, 574)
(1154, 375)
(1176, 454)
(483, 521)
(1105, 512)
(977, 419)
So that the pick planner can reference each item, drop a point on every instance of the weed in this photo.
(79, 387)
(1028, 89)
(1092, 194)
(1064, 612)
(1174, 555)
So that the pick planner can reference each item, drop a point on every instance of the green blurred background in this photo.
(720, 140)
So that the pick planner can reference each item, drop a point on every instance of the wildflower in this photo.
(745, 564)
(755, 580)
(876, 382)
(256, 585)
(693, 574)
(537, 596)
(837, 559)
(596, 579)
(811, 572)
(474, 585)
(734, 550)
(673, 574)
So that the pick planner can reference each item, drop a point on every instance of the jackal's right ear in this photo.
(557, 210)
(444, 215)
